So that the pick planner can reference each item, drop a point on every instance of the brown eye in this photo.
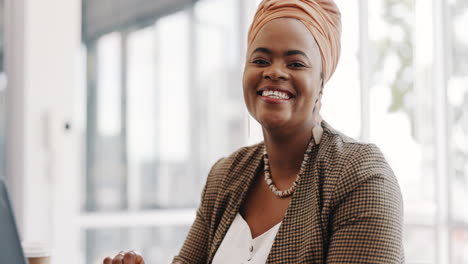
(296, 65)
(260, 62)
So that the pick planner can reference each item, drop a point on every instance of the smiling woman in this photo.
(323, 193)
(282, 77)
(307, 193)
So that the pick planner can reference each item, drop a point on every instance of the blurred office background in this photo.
(112, 113)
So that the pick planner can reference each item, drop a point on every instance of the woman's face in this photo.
(282, 77)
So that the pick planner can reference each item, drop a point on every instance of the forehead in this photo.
(284, 34)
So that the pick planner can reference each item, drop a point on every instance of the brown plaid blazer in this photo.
(347, 207)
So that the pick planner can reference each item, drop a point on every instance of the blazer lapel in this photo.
(236, 182)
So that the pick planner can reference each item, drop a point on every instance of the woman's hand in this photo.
(130, 257)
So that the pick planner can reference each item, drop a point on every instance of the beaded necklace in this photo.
(290, 191)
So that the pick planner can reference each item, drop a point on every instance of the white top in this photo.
(239, 247)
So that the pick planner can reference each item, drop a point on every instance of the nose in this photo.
(275, 72)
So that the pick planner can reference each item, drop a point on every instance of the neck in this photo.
(286, 150)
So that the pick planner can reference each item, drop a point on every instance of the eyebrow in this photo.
(287, 53)
(263, 50)
(295, 52)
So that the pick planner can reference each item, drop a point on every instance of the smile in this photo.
(276, 95)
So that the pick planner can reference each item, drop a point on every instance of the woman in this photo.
(307, 194)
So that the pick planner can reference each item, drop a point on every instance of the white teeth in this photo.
(275, 94)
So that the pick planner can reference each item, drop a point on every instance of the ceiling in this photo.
(104, 16)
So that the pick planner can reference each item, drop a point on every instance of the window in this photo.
(162, 99)
(401, 106)
(457, 94)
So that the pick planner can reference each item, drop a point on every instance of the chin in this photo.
(270, 123)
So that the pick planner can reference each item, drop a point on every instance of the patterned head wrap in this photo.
(321, 17)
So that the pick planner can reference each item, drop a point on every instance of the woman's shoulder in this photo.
(349, 163)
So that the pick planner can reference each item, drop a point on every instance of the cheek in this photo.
(309, 85)
(246, 87)
(249, 82)
(247, 78)
(244, 81)
(309, 89)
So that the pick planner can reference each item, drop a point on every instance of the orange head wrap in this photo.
(321, 17)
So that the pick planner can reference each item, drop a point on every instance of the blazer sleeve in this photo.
(366, 226)
(195, 247)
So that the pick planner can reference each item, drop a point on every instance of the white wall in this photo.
(42, 45)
